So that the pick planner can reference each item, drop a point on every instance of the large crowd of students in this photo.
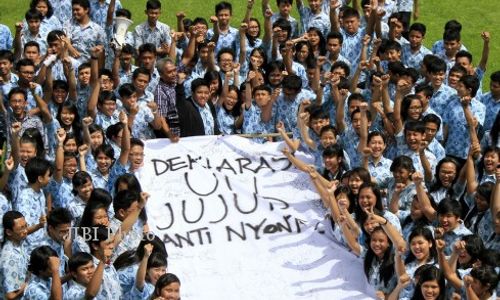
(405, 139)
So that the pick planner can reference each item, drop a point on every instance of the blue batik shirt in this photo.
(380, 170)
(27, 36)
(207, 117)
(127, 277)
(14, 266)
(141, 128)
(105, 121)
(252, 123)
(5, 206)
(62, 9)
(441, 98)
(308, 19)
(62, 192)
(226, 121)
(351, 47)
(6, 38)
(85, 37)
(38, 288)
(286, 110)
(413, 59)
(458, 141)
(292, 20)
(450, 237)
(226, 39)
(110, 287)
(99, 11)
(32, 205)
(492, 107)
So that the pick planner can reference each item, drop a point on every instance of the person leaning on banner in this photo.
(197, 114)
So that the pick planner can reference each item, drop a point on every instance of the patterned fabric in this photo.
(381, 170)
(226, 39)
(285, 110)
(351, 47)
(403, 149)
(410, 268)
(38, 288)
(130, 240)
(76, 206)
(32, 205)
(413, 59)
(437, 149)
(481, 224)
(75, 291)
(5, 206)
(454, 235)
(404, 5)
(493, 242)
(327, 66)
(126, 77)
(99, 180)
(110, 287)
(6, 38)
(458, 141)
(82, 98)
(166, 98)
(59, 249)
(140, 128)
(492, 107)
(438, 48)
(308, 19)
(349, 140)
(405, 196)
(58, 69)
(17, 182)
(14, 266)
(150, 89)
(207, 117)
(441, 98)
(146, 292)
(252, 123)
(105, 121)
(127, 277)
(83, 38)
(226, 121)
(39, 38)
(62, 9)
(62, 192)
(157, 36)
(48, 24)
(99, 11)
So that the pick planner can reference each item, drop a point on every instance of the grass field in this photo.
(474, 16)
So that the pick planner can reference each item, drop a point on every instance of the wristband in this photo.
(385, 222)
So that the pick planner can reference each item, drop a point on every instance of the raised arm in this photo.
(130, 220)
(248, 12)
(495, 196)
(61, 136)
(243, 42)
(110, 13)
(125, 142)
(41, 104)
(94, 97)
(340, 103)
(268, 26)
(423, 199)
(299, 164)
(140, 277)
(292, 144)
(18, 45)
(94, 285)
(82, 154)
(56, 291)
(449, 273)
(14, 142)
(470, 172)
(334, 18)
(363, 131)
(486, 50)
(403, 281)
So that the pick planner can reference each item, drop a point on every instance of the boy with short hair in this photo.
(456, 131)
(442, 93)
(284, 9)
(313, 16)
(32, 51)
(491, 101)
(26, 70)
(31, 201)
(227, 35)
(451, 40)
(451, 227)
(334, 41)
(86, 278)
(432, 127)
(257, 116)
(59, 236)
(454, 74)
(411, 143)
(123, 66)
(14, 255)
(44, 270)
(424, 93)
(32, 33)
(8, 79)
(351, 32)
(438, 47)
(140, 114)
(414, 52)
(124, 204)
(58, 44)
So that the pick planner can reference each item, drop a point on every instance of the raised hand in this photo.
(61, 135)
(82, 150)
(87, 121)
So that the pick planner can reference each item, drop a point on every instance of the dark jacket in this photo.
(190, 119)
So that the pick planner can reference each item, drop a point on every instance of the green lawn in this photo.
(474, 17)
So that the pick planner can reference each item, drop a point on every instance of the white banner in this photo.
(240, 223)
